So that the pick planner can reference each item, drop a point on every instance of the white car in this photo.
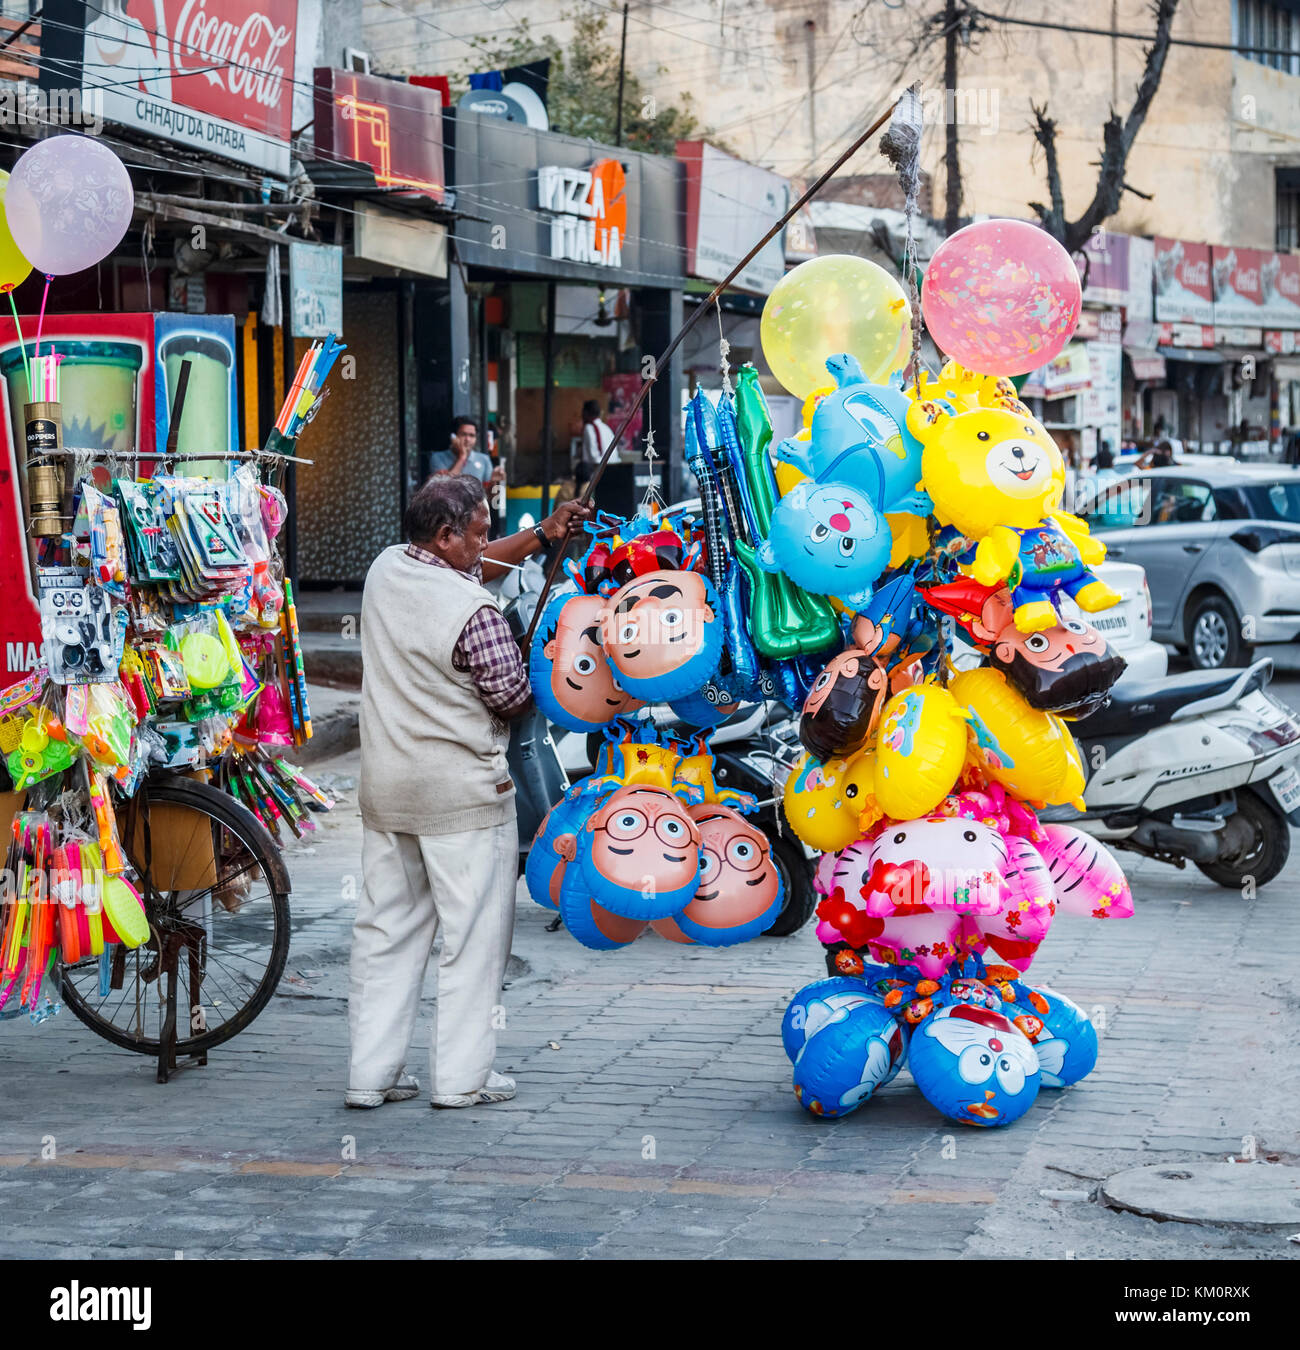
(1126, 626)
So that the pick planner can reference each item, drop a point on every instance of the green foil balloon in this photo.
(785, 621)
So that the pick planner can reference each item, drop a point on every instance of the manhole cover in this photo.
(1233, 1195)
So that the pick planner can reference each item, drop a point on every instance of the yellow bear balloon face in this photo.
(988, 467)
(822, 803)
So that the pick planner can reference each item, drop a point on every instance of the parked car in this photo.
(1220, 545)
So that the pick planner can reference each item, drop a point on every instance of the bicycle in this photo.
(216, 895)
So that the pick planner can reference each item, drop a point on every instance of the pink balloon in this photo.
(1014, 934)
(1001, 297)
(68, 204)
(1088, 879)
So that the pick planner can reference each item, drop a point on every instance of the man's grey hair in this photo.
(448, 500)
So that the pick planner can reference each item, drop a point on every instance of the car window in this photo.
(1120, 506)
(1177, 501)
(1230, 504)
(1275, 501)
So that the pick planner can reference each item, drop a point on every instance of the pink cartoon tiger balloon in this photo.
(1013, 934)
(941, 863)
(1088, 879)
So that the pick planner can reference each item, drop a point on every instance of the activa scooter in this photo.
(1198, 767)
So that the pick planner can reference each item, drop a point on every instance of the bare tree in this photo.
(1118, 136)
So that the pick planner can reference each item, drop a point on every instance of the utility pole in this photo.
(951, 159)
(810, 39)
(622, 67)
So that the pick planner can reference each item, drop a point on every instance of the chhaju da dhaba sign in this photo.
(588, 209)
(210, 75)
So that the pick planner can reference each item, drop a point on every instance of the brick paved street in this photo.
(654, 1115)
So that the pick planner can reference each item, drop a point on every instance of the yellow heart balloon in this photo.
(13, 266)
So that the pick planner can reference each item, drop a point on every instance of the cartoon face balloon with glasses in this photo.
(740, 890)
(638, 853)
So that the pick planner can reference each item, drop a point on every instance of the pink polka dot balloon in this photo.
(1001, 297)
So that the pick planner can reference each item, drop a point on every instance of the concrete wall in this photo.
(1206, 153)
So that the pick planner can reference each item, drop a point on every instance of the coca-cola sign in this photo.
(1184, 286)
(214, 76)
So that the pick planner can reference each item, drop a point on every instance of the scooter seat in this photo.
(1141, 706)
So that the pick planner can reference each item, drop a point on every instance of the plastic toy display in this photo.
(832, 581)
(170, 642)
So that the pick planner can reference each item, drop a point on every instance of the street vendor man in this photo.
(443, 678)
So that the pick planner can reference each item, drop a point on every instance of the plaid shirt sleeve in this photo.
(488, 652)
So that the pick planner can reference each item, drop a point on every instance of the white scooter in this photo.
(1197, 767)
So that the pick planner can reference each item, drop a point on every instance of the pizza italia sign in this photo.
(213, 76)
(588, 209)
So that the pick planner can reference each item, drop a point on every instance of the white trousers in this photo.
(415, 887)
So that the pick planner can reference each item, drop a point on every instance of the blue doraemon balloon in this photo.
(830, 539)
(1063, 1037)
(818, 1004)
(974, 1065)
(845, 1060)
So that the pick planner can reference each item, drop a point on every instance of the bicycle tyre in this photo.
(235, 818)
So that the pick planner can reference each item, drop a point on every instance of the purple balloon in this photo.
(68, 205)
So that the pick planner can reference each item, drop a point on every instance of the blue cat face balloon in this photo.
(828, 539)
(1063, 1038)
(847, 1058)
(974, 1066)
(818, 1004)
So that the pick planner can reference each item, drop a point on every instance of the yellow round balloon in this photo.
(13, 266)
(920, 750)
(837, 303)
(816, 806)
(1031, 753)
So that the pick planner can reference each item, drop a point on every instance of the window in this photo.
(1268, 33)
(1175, 501)
(1278, 501)
(1121, 506)
(1230, 504)
(1287, 196)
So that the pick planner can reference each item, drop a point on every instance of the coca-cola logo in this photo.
(245, 57)
(1196, 274)
(1289, 283)
(1246, 280)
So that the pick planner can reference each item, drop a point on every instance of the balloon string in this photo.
(40, 322)
(22, 346)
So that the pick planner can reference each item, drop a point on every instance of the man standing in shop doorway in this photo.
(462, 455)
(443, 678)
(596, 435)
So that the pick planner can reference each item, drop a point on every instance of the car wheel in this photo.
(1214, 635)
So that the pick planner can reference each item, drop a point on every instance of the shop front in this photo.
(568, 286)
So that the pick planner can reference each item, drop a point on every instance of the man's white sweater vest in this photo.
(433, 758)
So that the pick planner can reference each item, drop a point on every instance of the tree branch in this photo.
(1117, 140)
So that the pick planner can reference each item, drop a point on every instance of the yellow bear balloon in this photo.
(1030, 753)
(823, 801)
(920, 750)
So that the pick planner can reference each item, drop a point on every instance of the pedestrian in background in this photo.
(596, 436)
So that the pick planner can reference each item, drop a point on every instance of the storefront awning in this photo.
(1193, 355)
(1147, 363)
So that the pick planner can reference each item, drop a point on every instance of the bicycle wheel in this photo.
(216, 894)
